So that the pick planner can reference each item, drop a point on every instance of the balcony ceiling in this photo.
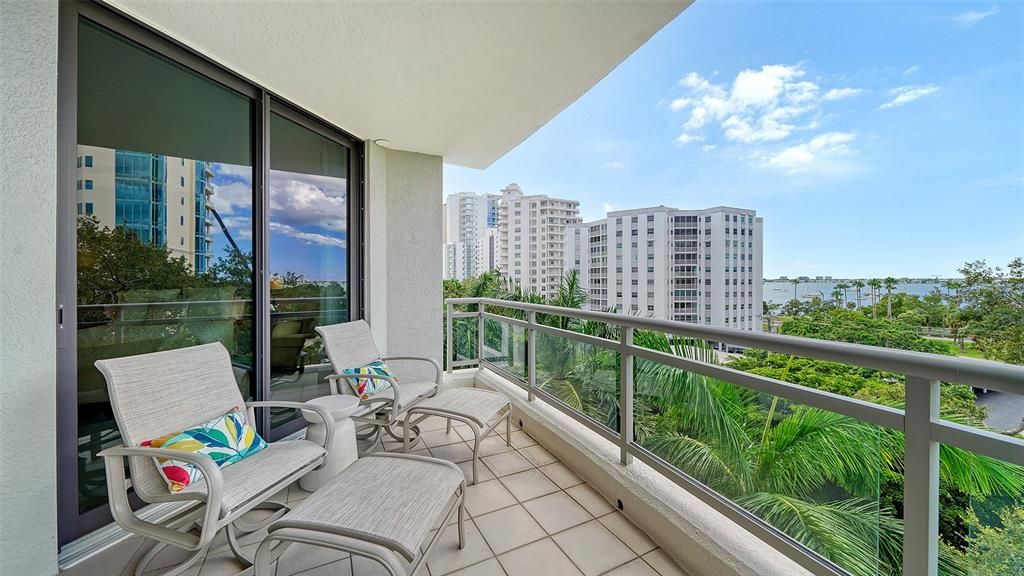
(464, 80)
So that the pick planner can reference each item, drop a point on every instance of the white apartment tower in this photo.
(470, 229)
(702, 266)
(532, 238)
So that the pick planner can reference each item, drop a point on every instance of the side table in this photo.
(343, 447)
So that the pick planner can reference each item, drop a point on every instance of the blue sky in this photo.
(875, 138)
(308, 227)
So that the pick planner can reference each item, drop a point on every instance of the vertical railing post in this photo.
(450, 347)
(920, 478)
(531, 353)
(625, 396)
(480, 335)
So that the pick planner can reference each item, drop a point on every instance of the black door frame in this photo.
(71, 523)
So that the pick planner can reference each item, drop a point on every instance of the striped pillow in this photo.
(366, 387)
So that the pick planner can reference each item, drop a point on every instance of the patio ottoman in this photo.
(381, 507)
(480, 410)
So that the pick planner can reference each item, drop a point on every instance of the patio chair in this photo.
(161, 393)
(351, 345)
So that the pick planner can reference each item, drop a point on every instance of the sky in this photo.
(308, 227)
(874, 138)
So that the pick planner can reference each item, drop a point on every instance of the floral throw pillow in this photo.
(366, 387)
(226, 439)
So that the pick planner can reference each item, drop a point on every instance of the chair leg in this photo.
(476, 450)
(448, 428)
(508, 427)
(236, 548)
(462, 520)
(143, 564)
(277, 511)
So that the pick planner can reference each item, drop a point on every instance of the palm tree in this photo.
(890, 283)
(811, 473)
(875, 285)
(796, 282)
(858, 285)
(837, 295)
(843, 286)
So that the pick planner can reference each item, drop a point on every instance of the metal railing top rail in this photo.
(970, 371)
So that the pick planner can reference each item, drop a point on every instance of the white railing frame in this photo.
(920, 422)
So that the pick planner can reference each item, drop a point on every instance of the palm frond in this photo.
(700, 460)
(853, 533)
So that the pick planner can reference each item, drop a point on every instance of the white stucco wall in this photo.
(414, 232)
(404, 228)
(28, 179)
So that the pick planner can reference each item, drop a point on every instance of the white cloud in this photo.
(972, 17)
(308, 237)
(912, 70)
(229, 198)
(679, 103)
(608, 207)
(804, 157)
(842, 93)
(759, 105)
(615, 165)
(907, 94)
(708, 147)
(685, 138)
(306, 200)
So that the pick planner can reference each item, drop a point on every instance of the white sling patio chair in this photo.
(161, 393)
(350, 345)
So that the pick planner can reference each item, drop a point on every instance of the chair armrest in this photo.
(117, 489)
(334, 378)
(320, 411)
(437, 367)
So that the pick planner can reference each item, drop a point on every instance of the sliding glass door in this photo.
(171, 239)
(308, 255)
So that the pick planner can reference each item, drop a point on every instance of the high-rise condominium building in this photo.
(470, 234)
(532, 238)
(165, 201)
(702, 266)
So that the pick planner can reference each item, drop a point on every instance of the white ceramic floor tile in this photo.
(487, 497)
(590, 499)
(663, 564)
(489, 567)
(593, 548)
(509, 528)
(453, 452)
(521, 439)
(541, 557)
(628, 532)
(483, 472)
(557, 512)
(446, 557)
(440, 438)
(635, 568)
(561, 475)
(491, 445)
(300, 557)
(538, 455)
(507, 463)
(528, 484)
(341, 568)
(432, 423)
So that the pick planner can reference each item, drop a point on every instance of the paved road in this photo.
(1005, 411)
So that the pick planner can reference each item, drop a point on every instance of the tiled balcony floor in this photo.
(530, 515)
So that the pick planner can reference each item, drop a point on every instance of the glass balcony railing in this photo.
(839, 484)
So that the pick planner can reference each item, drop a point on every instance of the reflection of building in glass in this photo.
(163, 200)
